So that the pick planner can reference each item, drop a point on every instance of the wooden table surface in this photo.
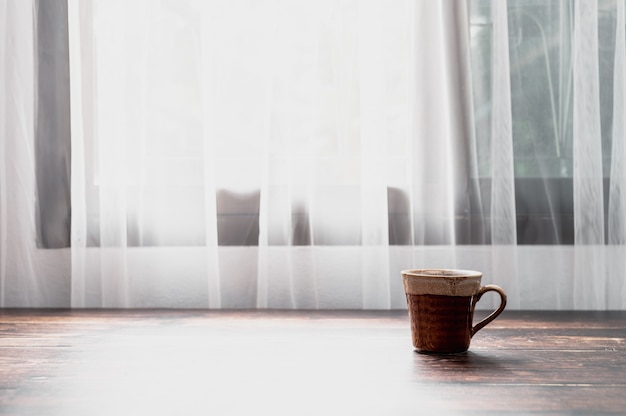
(187, 362)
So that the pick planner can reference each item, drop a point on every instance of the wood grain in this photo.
(117, 362)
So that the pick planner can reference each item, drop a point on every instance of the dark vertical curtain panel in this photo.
(52, 118)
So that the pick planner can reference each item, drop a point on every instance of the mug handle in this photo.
(494, 314)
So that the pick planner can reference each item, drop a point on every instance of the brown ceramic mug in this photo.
(441, 305)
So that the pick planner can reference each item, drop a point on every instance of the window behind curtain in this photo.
(541, 75)
(540, 47)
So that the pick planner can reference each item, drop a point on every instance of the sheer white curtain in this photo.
(17, 216)
(339, 138)
(259, 101)
(304, 111)
(300, 154)
(25, 271)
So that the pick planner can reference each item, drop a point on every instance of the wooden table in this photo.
(181, 362)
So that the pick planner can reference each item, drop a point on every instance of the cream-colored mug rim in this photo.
(447, 282)
(437, 273)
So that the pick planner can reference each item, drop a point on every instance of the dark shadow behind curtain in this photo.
(52, 130)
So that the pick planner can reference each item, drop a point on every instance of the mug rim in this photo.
(435, 272)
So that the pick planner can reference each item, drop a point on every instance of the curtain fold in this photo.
(19, 269)
(587, 160)
(78, 231)
(503, 211)
(617, 191)
(3, 134)
(503, 224)
(29, 276)
(208, 39)
(432, 141)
